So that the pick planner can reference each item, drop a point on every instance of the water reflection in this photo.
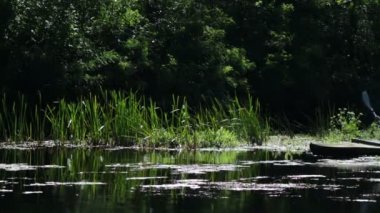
(99, 180)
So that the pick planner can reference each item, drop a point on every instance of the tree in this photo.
(189, 53)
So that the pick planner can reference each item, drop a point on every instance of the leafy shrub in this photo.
(344, 125)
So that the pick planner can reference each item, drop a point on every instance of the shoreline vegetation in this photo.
(120, 119)
(117, 118)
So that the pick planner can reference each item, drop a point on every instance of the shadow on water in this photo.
(114, 180)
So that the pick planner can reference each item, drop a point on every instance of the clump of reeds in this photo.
(20, 121)
(124, 118)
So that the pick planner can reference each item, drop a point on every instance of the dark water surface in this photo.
(125, 180)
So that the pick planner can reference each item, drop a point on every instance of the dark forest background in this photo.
(295, 56)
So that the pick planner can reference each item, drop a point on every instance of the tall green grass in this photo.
(125, 118)
(20, 121)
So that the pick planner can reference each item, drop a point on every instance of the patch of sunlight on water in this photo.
(79, 183)
(24, 167)
(300, 177)
(182, 169)
(348, 199)
(355, 163)
(146, 178)
(32, 192)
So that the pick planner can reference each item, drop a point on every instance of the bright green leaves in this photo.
(237, 68)
(237, 59)
(119, 14)
(101, 60)
(213, 34)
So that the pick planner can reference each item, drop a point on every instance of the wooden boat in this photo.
(366, 142)
(344, 149)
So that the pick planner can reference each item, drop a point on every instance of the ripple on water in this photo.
(257, 178)
(178, 184)
(16, 167)
(348, 199)
(377, 180)
(32, 192)
(248, 162)
(206, 168)
(276, 162)
(300, 177)
(330, 187)
(146, 178)
(229, 186)
(118, 165)
(13, 167)
(277, 187)
(182, 169)
(171, 186)
(79, 183)
(193, 181)
(355, 163)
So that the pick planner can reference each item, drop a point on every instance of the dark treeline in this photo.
(294, 55)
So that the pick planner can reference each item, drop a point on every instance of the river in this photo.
(131, 180)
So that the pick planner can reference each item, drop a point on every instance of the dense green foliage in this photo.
(157, 47)
(292, 55)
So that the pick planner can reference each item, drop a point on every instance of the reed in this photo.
(19, 121)
(37, 124)
(116, 117)
(247, 121)
(126, 118)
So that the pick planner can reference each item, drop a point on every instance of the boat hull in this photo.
(344, 150)
(366, 142)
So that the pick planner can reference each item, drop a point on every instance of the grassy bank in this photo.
(127, 119)
(330, 126)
